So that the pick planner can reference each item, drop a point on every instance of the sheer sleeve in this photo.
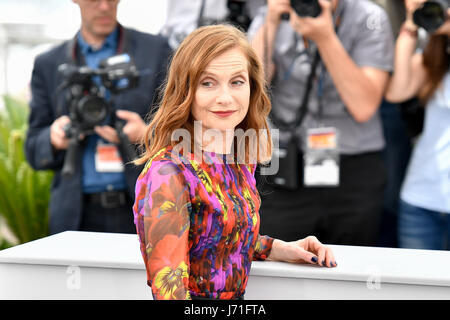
(162, 217)
(263, 247)
(263, 244)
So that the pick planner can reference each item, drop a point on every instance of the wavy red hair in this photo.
(189, 61)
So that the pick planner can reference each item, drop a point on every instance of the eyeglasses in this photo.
(95, 3)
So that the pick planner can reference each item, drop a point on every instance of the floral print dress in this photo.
(198, 225)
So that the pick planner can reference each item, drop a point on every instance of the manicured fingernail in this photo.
(314, 259)
(335, 264)
(323, 263)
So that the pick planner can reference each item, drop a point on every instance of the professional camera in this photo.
(304, 8)
(87, 103)
(238, 15)
(432, 15)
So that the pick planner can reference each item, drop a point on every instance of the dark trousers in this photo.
(101, 215)
(346, 215)
(396, 156)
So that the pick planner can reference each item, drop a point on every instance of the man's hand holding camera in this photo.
(317, 29)
(133, 128)
(360, 88)
(58, 137)
(275, 9)
(411, 6)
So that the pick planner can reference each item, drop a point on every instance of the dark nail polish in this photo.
(323, 263)
(314, 259)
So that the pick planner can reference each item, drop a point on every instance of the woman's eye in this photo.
(207, 84)
(238, 82)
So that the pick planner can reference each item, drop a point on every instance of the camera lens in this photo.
(306, 8)
(92, 109)
(431, 16)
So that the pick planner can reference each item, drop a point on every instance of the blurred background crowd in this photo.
(29, 28)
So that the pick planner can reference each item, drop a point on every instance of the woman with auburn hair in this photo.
(424, 214)
(190, 59)
(197, 216)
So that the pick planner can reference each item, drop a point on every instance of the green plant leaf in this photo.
(17, 111)
(25, 193)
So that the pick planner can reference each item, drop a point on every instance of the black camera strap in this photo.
(302, 111)
(200, 19)
(300, 115)
(75, 56)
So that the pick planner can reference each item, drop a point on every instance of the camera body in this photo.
(237, 14)
(86, 99)
(87, 102)
(306, 8)
(431, 15)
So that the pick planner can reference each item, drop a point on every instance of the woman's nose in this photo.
(224, 96)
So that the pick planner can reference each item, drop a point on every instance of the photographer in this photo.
(98, 193)
(424, 215)
(183, 17)
(328, 71)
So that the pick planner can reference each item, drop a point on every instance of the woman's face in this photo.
(222, 95)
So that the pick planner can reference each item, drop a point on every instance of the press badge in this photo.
(321, 158)
(107, 158)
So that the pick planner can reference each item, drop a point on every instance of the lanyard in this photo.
(315, 61)
(321, 79)
(320, 95)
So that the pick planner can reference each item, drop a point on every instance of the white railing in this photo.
(87, 265)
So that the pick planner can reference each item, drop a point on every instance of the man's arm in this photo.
(360, 88)
(264, 39)
(39, 151)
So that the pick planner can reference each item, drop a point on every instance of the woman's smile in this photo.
(223, 114)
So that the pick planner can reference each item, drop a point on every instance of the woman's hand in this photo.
(409, 74)
(307, 250)
(411, 6)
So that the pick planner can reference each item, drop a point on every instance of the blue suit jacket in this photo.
(149, 52)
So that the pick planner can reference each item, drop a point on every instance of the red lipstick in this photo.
(223, 114)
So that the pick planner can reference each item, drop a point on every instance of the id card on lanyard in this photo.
(321, 157)
(107, 158)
